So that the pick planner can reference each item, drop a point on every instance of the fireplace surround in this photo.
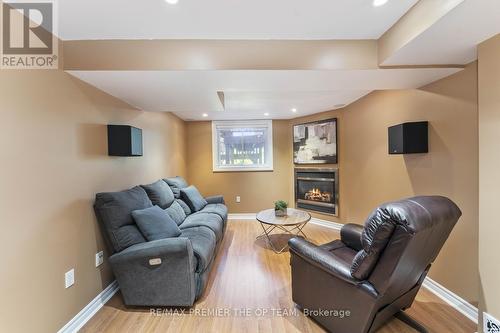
(317, 190)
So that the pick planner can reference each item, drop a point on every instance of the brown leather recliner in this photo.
(357, 283)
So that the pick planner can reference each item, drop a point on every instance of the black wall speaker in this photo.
(409, 138)
(124, 140)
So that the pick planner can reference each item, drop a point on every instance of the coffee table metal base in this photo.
(294, 230)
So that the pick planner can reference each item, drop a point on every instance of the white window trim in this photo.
(242, 123)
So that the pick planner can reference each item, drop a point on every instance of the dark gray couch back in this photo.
(114, 213)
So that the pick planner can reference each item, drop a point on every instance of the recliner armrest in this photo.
(179, 247)
(322, 259)
(350, 235)
(159, 272)
(215, 199)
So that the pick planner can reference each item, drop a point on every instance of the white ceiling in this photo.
(453, 39)
(250, 94)
(227, 19)
(279, 104)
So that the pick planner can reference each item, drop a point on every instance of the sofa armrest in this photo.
(350, 234)
(322, 259)
(215, 199)
(159, 272)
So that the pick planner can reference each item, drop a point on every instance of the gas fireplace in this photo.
(317, 190)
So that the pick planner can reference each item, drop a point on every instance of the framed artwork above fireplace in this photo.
(315, 142)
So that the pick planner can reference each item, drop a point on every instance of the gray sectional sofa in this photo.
(164, 272)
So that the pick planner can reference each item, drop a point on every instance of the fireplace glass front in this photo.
(317, 189)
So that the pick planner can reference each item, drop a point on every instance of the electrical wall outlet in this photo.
(69, 278)
(490, 324)
(99, 258)
(238, 199)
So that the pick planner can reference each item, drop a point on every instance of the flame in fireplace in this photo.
(316, 194)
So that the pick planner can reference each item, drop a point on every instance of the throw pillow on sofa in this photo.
(193, 198)
(184, 206)
(159, 193)
(176, 212)
(176, 184)
(155, 223)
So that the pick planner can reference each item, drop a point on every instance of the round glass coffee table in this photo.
(291, 224)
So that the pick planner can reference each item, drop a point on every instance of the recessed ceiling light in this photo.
(172, 2)
(266, 114)
(378, 3)
(294, 110)
(205, 115)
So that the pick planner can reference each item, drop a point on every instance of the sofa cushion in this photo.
(218, 209)
(155, 223)
(184, 206)
(203, 241)
(193, 198)
(114, 212)
(176, 212)
(159, 193)
(176, 184)
(212, 221)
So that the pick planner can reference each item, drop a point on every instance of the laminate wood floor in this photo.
(250, 287)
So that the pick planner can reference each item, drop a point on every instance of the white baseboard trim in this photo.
(317, 221)
(242, 216)
(326, 224)
(75, 324)
(457, 302)
(452, 299)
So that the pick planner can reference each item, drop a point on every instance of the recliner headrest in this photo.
(413, 214)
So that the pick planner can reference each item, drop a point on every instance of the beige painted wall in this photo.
(258, 190)
(449, 169)
(368, 175)
(489, 180)
(53, 161)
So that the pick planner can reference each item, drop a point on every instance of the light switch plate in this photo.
(99, 258)
(69, 278)
(238, 199)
